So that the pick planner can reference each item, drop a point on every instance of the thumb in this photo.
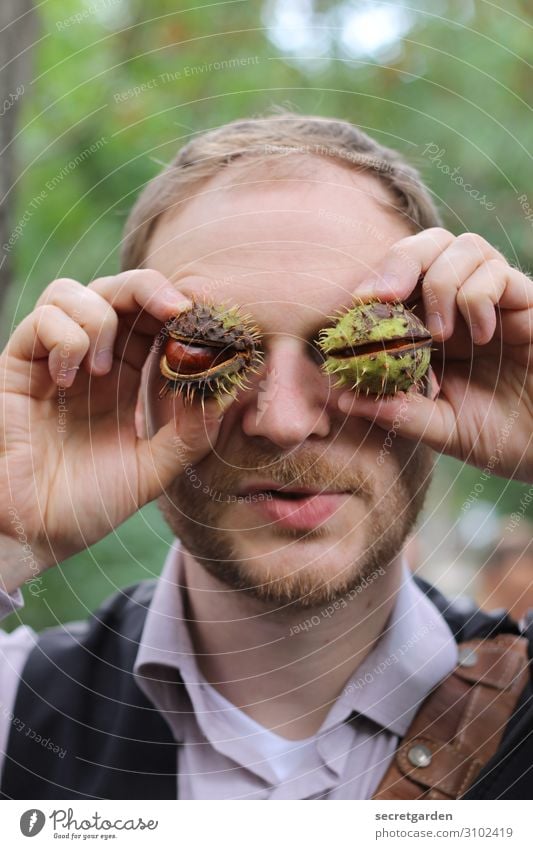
(188, 437)
(407, 414)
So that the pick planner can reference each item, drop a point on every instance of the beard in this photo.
(197, 505)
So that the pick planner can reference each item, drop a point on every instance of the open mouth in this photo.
(288, 495)
(296, 508)
(293, 507)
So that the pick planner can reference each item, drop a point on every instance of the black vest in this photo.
(78, 693)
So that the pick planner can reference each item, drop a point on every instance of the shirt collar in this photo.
(415, 651)
(165, 641)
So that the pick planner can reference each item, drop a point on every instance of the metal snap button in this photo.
(467, 657)
(419, 755)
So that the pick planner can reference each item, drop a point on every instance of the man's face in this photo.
(288, 251)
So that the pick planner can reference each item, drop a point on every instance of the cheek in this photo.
(385, 457)
(373, 445)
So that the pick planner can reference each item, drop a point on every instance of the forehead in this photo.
(273, 239)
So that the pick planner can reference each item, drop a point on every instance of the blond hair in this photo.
(259, 139)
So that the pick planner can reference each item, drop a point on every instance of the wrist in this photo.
(19, 565)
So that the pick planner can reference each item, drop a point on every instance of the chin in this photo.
(285, 579)
(288, 568)
(282, 565)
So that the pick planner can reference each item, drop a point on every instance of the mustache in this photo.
(306, 469)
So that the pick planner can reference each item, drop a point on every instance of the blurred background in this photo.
(98, 95)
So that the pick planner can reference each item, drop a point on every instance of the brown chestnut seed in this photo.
(209, 350)
(191, 359)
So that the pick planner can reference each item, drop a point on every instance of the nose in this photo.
(290, 404)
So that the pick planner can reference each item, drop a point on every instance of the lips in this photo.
(298, 508)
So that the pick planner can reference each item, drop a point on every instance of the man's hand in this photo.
(480, 311)
(72, 465)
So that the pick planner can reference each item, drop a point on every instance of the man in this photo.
(286, 650)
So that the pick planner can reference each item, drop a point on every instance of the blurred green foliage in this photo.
(451, 75)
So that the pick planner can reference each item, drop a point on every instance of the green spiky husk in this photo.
(400, 363)
(222, 327)
(382, 373)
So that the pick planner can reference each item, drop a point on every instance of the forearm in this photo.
(19, 564)
(14, 651)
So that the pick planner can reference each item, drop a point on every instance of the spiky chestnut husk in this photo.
(208, 350)
(377, 348)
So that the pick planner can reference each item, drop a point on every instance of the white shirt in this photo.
(224, 754)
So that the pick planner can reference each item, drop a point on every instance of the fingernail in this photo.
(172, 296)
(66, 376)
(477, 333)
(435, 323)
(103, 359)
(345, 403)
(387, 283)
(367, 288)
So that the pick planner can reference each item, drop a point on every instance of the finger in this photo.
(497, 284)
(397, 275)
(135, 339)
(142, 323)
(185, 439)
(516, 328)
(90, 311)
(518, 292)
(142, 289)
(132, 348)
(49, 332)
(447, 274)
(408, 414)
